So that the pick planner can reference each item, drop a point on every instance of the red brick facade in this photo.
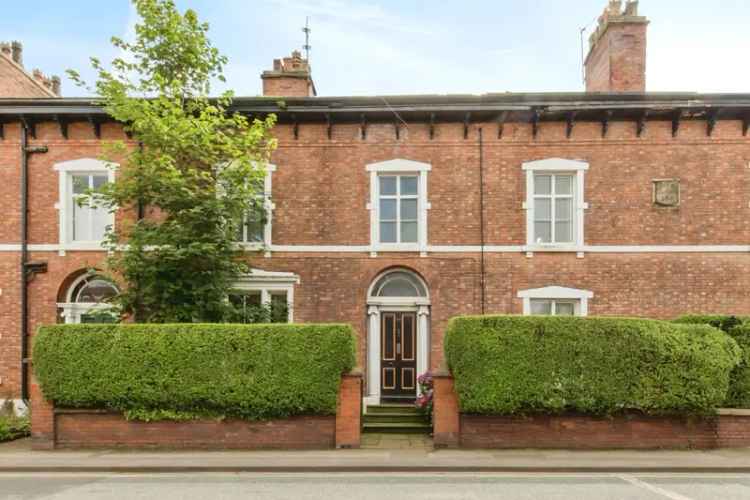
(637, 258)
(321, 190)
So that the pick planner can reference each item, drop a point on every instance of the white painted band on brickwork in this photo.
(53, 247)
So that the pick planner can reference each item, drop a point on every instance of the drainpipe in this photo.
(26, 152)
(481, 218)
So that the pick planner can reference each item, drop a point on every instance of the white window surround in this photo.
(268, 282)
(396, 167)
(580, 297)
(72, 310)
(577, 168)
(64, 205)
(269, 207)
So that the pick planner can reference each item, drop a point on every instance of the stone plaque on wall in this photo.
(667, 192)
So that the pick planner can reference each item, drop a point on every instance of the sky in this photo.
(387, 47)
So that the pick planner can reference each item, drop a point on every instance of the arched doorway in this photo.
(398, 336)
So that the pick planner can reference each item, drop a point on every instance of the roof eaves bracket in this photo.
(570, 120)
(467, 122)
(28, 125)
(536, 115)
(501, 124)
(676, 118)
(640, 125)
(96, 126)
(329, 126)
(605, 122)
(63, 124)
(363, 126)
(432, 126)
(712, 117)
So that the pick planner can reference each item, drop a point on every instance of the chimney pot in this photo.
(16, 50)
(55, 80)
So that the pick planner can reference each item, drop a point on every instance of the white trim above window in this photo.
(556, 204)
(557, 294)
(66, 206)
(402, 198)
(268, 284)
(269, 207)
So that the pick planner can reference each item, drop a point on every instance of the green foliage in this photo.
(738, 327)
(509, 365)
(196, 174)
(724, 322)
(249, 313)
(739, 386)
(182, 371)
(12, 427)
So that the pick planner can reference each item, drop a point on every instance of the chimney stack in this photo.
(617, 50)
(290, 77)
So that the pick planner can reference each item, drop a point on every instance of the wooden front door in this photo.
(398, 356)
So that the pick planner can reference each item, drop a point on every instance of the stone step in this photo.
(393, 408)
(395, 417)
(398, 428)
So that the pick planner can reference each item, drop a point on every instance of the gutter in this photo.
(25, 265)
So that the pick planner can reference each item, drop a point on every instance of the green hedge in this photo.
(723, 322)
(739, 386)
(738, 327)
(190, 370)
(512, 364)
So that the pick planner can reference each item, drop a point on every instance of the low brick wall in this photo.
(728, 429)
(64, 428)
(92, 429)
(593, 433)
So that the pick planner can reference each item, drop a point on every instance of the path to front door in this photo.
(398, 356)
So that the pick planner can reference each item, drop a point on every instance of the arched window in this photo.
(399, 284)
(88, 300)
(94, 289)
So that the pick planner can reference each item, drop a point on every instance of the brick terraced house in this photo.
(397, 213)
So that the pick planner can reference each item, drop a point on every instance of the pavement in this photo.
(17, 457)
(371, 486)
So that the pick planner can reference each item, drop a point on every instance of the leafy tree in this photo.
(195, 175)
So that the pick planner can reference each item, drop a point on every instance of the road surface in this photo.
(396, 486)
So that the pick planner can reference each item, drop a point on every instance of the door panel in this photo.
(398, 340)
